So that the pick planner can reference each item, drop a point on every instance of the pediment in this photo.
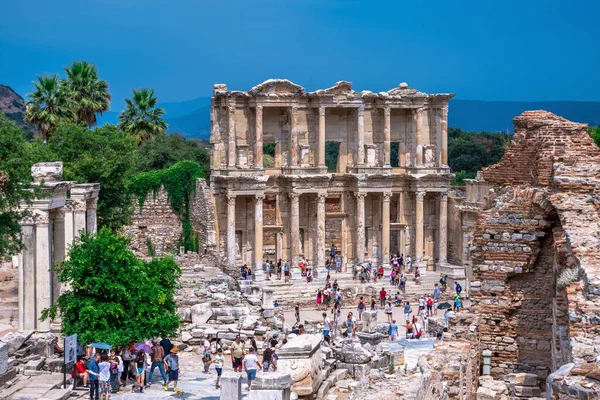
(340, 87)
(277, 87)
(404, 90)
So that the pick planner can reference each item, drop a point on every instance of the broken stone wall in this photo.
(202, 216)
(536, 251)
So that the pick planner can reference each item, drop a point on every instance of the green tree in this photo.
(14, 174)
(102, 155)
(48, 105)
(141, 116)
(165, 150)
(113, 296)
(595, 134)
(87, 93)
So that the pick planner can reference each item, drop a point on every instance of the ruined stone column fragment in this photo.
(321, 229)
(295, 228)
(43, 276)
(419, 145)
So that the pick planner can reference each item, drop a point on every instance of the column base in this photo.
(259, 275)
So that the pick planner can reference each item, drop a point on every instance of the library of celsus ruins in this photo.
(386, 192)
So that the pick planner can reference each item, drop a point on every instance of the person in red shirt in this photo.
(380, 272)
(80, 372)
(382, 294)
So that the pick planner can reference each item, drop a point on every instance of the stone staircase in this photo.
(302, 292)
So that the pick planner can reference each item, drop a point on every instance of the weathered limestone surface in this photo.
(300, 357)
(536, 252)
(307, 208)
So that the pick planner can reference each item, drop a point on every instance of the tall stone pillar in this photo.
(27, 293)
(321, 158)
(79, 217)
(295, 228)
(259, 273)
(385, 228)
(231, 139)
(43, 275)
(360, 226)
(69, 227)
(294, 136)
(419, 226)
(321, 229)
(258, 138)
(59, 249)
(444, 133)
(387, 129)
(443, 228)
(360, 154)
(419, 116)
(90, 212)
(231, 253)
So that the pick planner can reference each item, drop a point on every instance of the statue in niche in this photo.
(429, 156)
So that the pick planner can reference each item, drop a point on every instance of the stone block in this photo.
(201, 313)
(15, 340)
(272, 381)
(47, 171)
(225, 319)
(526, 391)
(35, 365)
(57, 394)
(231, 385)
(523, 379)
(3, 358)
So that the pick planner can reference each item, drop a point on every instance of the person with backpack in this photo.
(206, 355)
(361, 308)
(172, 366)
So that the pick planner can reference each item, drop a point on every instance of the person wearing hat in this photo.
(172, 366)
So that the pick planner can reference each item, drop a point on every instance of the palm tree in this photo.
(48, 105)
(141, 117)
(88, 94)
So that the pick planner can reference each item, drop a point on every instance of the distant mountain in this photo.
(13, 105)
(496, 116)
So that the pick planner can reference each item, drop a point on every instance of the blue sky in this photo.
(522, 50)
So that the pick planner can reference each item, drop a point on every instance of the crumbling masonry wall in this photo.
(536, 252)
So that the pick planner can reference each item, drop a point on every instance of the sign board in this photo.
(70, 349)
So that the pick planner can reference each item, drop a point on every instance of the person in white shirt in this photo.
(219, 360)
(326, 325)
(104, 376)
(250, 364)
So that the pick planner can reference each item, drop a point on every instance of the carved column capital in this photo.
(387, 111)
(322, 111)
(92, 204)
(79, 205)
(420, 195)
(360, 195)
(259, 109)
(231, 108)
(444, 196)
(231, 199)
(259, 197)
(59, 214)
(321, 197)
(387, 196)
(42, 217)
(294, 197)
(361, 110)
(294, 110)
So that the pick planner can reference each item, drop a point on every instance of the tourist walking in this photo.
(279, 270)
(286, 272)
(237, 354)
(157, 359)
(429, 303)
(250, 364)
(93, 371)
(219, 360)
(407, 311)
(172, 366)
(393, 331)
(332, 251)
(361, 308)
(409, 329)
(389, 311)
(338, 263)
(349, 326)
(437, 293)
(267, 270)
(417, 276)
(104, 377)
(319, 298)
(297, 312)
(458, 288)
(326, 325)
(267, 359)
(382, 297)
(140, 369)
(206, 355)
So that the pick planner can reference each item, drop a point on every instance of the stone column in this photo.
(231, 253)
(419, 116)
(27, 294)
(321, 158)
(387, 129)
(231, 139)
(293, 136)
(258, 138)
(231, 385)
(385, 228)
(59, 250)
(360, 154)
(444, 133)
(259, 273)
(295, 228)
(79, 217)
(321, 229)
(69, 227)
(360, 226)
(443, 228)
(419, 225)
(43, 262)
(92, 226)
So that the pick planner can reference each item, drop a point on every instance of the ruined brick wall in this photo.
(154, 220)
(536, 253)
(202, 216)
